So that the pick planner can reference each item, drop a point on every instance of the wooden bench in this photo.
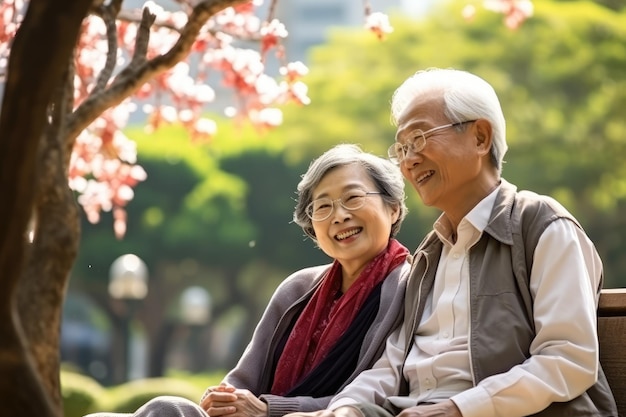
(612, 336)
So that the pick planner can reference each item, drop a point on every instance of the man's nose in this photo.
(411, 158)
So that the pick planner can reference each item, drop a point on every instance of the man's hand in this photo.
(226, 400)
(444, 409)
(345, 411)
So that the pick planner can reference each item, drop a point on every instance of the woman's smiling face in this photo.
(353, 237)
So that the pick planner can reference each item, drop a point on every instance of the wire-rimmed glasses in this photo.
(320, 209)
(416, 141)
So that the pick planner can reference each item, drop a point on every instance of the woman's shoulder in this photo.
(400, 274)
(304, 279)
(394, 285)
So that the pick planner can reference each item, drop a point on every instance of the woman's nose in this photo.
(340, 213)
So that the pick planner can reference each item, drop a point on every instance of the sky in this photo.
(417, 7)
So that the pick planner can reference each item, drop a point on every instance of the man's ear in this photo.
(483, 132)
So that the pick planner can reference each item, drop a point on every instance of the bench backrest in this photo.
(612, 336)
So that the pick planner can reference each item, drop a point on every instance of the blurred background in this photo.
(210, 234)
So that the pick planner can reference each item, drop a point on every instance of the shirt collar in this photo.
(477, 217)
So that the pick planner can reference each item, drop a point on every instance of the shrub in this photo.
(81, 394)
(128, 397)
(201, 380)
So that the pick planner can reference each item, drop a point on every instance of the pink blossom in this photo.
(379, 24)
(515, 11)
(103, 165)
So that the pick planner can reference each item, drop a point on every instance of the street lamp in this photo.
(128, 282)
(128, 278)
(195, 308)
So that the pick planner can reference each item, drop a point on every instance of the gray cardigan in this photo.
(253, 373)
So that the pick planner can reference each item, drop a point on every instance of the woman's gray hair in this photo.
(466, 97)
(386, 176)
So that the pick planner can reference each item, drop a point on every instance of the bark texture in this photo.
(40, 53)
(38, 128)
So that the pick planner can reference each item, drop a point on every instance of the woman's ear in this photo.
(395, 213)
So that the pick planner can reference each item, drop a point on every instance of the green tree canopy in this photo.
(216, 215)
(561, 79)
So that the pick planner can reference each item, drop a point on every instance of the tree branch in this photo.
(68, 106)
(134, 16)
(272, 10)
(143, 38)
(108, 17)
(133, 77)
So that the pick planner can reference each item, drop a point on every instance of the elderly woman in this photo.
(325, 324)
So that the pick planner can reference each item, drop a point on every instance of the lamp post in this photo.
(195, 307)
(128, 282)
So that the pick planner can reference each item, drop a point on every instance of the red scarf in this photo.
(325, 318)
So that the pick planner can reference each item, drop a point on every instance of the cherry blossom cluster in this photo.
(11, 14)
(231, 53)
(379, 24)
(103, 165)
(515, 11)
(179, 95)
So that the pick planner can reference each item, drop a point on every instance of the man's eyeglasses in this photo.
(321, 209)
(415, 142)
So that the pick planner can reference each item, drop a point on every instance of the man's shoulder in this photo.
(531, 203)
(523, 212)
(532, 214)
(539, 206)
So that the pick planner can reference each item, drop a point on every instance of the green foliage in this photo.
(561, 79)
(216, 201)
(128, 397)
(200, 380)
(207, 199)
(81, 394)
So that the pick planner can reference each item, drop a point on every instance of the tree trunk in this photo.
(159, 348)
(39, 56)
(36, 140)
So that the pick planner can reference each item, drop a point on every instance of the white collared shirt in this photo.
(438, 365)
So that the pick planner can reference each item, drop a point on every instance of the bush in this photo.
(128, 397)
(81, 394)
(200, 380)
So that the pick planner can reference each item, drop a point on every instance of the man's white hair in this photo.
(466, 97)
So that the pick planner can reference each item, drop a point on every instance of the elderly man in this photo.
(501, 302)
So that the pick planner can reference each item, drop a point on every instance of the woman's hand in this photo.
(226, 400)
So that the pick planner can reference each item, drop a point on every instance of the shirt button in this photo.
(456, 255)
(446, 335)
